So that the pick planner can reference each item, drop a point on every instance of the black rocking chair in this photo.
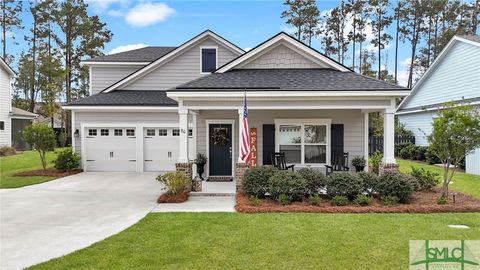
(278, 160)
(339, 163)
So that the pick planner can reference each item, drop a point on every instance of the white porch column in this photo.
(183, 125)
(240, 127)
(389, 136)
(366, 141)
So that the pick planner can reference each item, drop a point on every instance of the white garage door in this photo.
(160, 149)
(110, 149)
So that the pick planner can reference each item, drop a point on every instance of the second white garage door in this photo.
(110, 149)
(160, 149)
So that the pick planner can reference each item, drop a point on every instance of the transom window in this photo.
(130, 132)
(150, 132)
(104, 132)
(162, 132)
(92, 132)
(176, 132)
(303, 141)
(118, 132)
(208, 59)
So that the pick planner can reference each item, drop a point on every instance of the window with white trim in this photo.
(104, 132)
(190, 133)
(176, 132)
(92, 132)
(150, 132)
(130, 132)
(303, 141)
(118, 132)
(208, 59)
(162, 132)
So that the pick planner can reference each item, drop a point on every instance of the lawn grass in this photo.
(462, 182)
(25, 161)
(267, 241)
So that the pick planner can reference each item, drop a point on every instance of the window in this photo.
(162, 132)
(176, 132)
(92, 132)
(303, 141)
(130, 132)
(118, 132)
(190, 132)
(103, 132)
(208, 59)
(150, 132)
(2, 125)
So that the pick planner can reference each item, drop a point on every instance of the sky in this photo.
(170, 23)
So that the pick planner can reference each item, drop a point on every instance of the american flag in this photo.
(245, 147)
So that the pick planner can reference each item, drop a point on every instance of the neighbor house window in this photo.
(150, 132)
(118, 132)
(2, 125)
(92, 132)
(176, 132)
(208, 59)
(130, 132)
(303, 141)
(104, 132)
(162, 132)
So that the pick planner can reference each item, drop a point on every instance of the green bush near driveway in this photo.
(268, 241)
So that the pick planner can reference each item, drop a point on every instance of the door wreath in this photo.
(219, 136)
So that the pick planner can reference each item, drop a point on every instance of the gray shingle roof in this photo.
(127, 98)
(287, 79)
(146, 54)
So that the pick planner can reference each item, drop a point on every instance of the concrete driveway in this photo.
(49, 220)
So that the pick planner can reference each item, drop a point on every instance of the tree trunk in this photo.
(396, 43)
(4, 30)
(34, 65)
(354, 39)
(379, 46)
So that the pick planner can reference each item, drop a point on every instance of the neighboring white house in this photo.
(153, 107)
(6, 76)
(453, 76)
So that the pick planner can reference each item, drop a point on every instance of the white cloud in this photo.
(9, 34)
(102, 5)
(145, 14)
(129, 47)
(288, 29)
(115, 13)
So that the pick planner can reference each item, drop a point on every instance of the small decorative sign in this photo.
(253, 147)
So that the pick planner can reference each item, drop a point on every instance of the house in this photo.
(12, 120)
(154, 108)
(453, 76)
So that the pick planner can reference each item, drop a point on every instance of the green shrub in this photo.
(344, 184)
(420, 152)
(42, 138)
(389, 200)
(400, 146)
(339, 200)
(175, 182)
(408, 152)
(254, 201)
(370, 181)
(284, 199)
(375, 161)
(315, 199)
(67, 160)
(442, 200)
(255, 180)
(431, 158)
(287, 183)
(426, 179)
(7, 151)
(314, 179)
(363, 200)
(62, 139)
(396, 184)
(359, 161)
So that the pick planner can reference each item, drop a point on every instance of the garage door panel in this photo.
(160, 149)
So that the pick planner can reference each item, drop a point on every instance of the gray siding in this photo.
(5, 107)
(281, 57)
(419, 123)
(454, 78)
(181, 69)
(472, 162)
(352, 120)
(104, 76)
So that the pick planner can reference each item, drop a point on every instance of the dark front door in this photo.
(337, 138)
(268, 143)
(220, 149)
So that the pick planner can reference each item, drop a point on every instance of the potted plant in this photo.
(359, 163)
(200, 161)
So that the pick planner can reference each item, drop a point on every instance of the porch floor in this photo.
(216, 189)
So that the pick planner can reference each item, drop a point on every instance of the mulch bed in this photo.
(48, 172)
(176, 198)
(421, 202)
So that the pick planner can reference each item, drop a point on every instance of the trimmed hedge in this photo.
(344, 184)
(314, 179)
(396, 184)
(255, 180)
(287, 183)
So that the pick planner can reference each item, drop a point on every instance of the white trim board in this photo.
(121, 108)
(207, 145)
(273, 94)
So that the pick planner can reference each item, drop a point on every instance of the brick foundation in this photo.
(240, 169)
(388, 167)
(185, 168)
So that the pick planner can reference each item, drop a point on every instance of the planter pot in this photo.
(359, 168)
(200, 170)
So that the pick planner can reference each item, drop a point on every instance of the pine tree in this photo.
(10, 20)
(355, 8)
(312, 21)
(380, 20)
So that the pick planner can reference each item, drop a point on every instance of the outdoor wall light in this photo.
(77, 133)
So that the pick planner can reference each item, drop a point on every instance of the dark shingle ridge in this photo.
(127, 98)
(316, 79)
(145, 54)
